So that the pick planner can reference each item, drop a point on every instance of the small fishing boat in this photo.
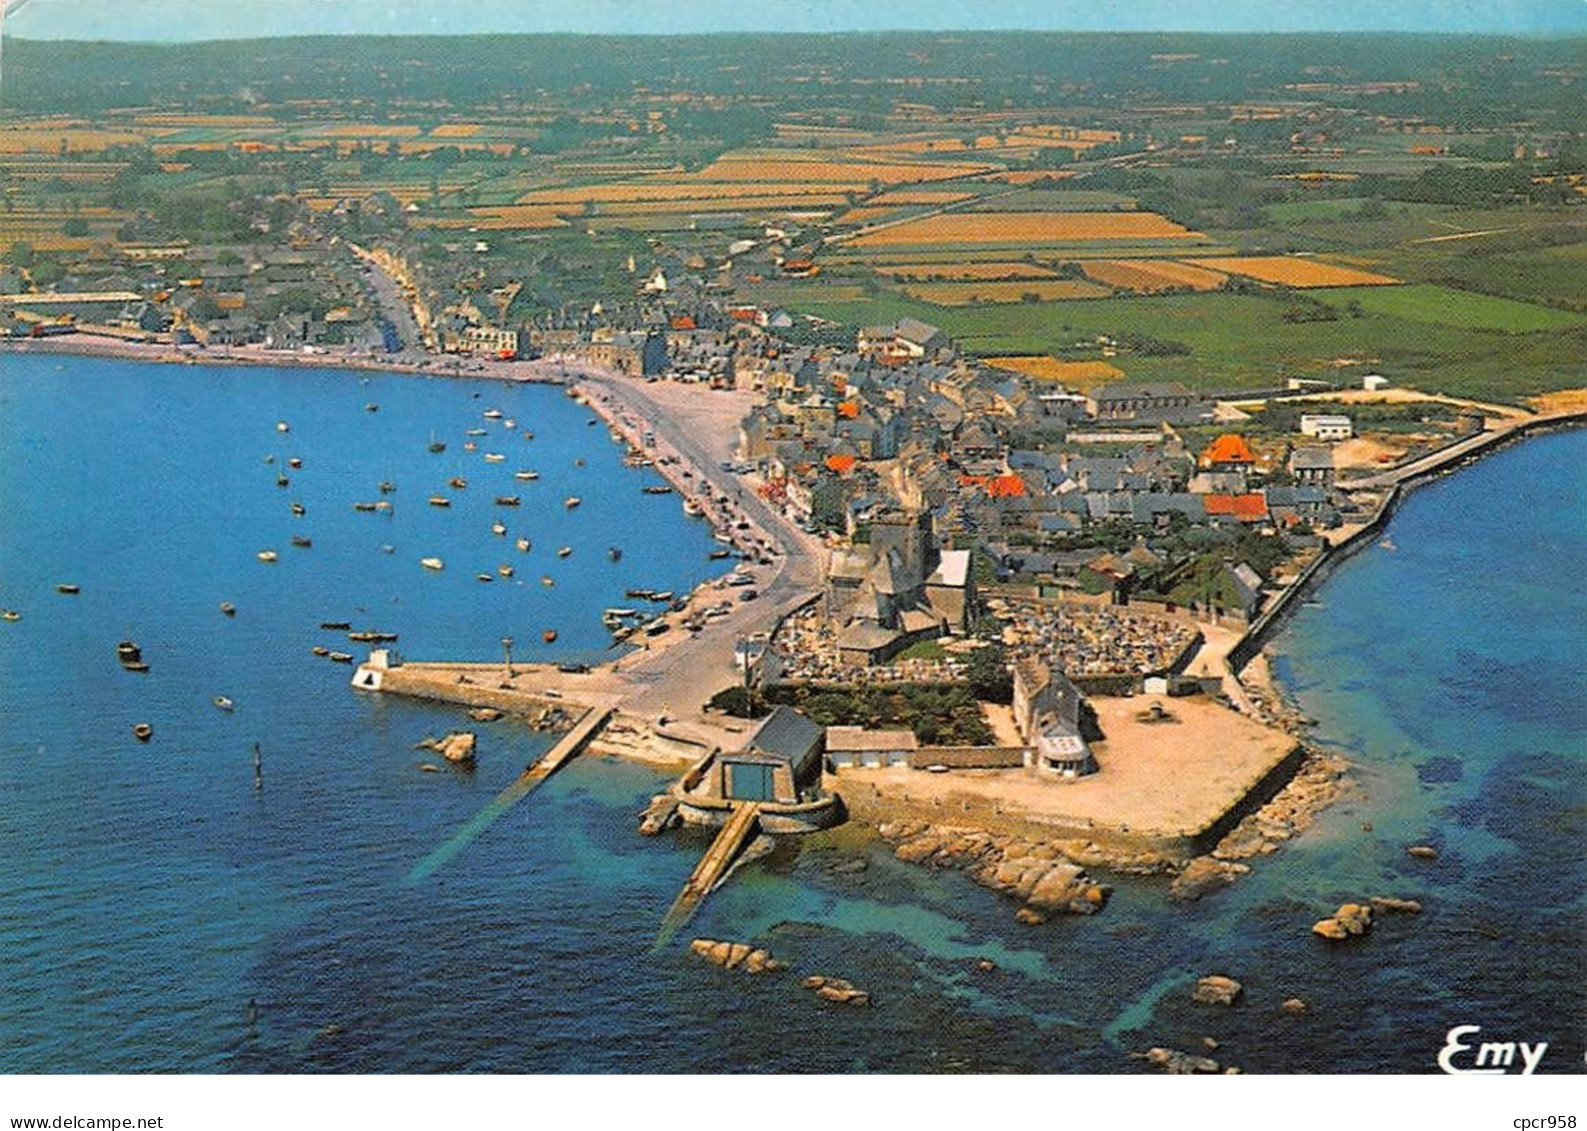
(718, 555)
(283, 426)
(498, 528)
(571, 501)
(475, 432)
(526, 475)
(68, 588)
(492, 414)
(128, 652)
(549, 636)
(528, 435)
(437, 446)
(388, 549)
(320, 650)
(458, 482)
(620, 614)
(142, 732)
(470, 446)
(484, 577)
(281, 479)
(659, 489)
(615, 553)
(295, 463)
(267, 555)
(592, 422)
(371, 407)
(504, 570)
(440, 501)
(10, 615)
(372, 637)
(641, 594)
(494, 457)
(364, 508)
(579, 462)
(692, 508)
(387, 486)
(662, 595)
(432, 563)
(383, 506)
(564, 551)
(341, 657)
(224, 703)
(228, 608)
(299, 509)
(524, 545)
(509, 424)
(301, 542)
(548, 581)
(508, 500)
(335, 625)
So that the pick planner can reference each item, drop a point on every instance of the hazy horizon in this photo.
(173, 21)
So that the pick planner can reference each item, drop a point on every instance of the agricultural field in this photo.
(1145, 276)
(948, 272)
(1028, 228)
(1082, 375)
(1290, 271)
(1443, 306)
(1039, 290)
(805, 167)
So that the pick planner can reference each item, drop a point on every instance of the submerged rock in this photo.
(1202, 875)
(1352, 920)
(1422, 852)
(1216, 989)
(736, 956)
(1294, 1007)
(837, 990)
(1177, 1063)
(1387, 905)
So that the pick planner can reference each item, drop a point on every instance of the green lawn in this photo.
(1444, 306)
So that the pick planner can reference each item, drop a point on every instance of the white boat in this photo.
(267, 555)
(283, 426)
(432, 563)
(564, 551)
(474, 432)
(492, 414)
(224, 703)
(509, 424)
(504, 570)
(526, 475)
(548, 581)
(692, 508)
(498, 528)
(572, 501)
(494, 457)
(523, 545)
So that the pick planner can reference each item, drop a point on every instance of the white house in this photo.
(1322, 427)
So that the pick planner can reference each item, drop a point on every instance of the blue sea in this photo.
(161, 915)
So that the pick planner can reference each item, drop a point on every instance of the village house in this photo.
(1047, 713)
(1322, 426)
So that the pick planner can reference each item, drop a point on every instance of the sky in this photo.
(177, 20)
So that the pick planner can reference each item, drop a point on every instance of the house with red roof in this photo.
(1248, 508)
(1229, 452)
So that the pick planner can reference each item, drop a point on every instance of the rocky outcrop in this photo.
(1422, 852)
(1293, 1007)
(457, 747)
(1202, 875)
(1178, 1063)
(485, 714)
(1216, 989)
(1352, 920)
(736, 956)
(1317, 784)
(1040, 874)
(1387, 905)
(836, 990)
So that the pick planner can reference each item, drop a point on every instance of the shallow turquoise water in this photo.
(162, 916)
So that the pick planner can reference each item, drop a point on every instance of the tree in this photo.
(988, 675)
(21, 254)
(76, 226)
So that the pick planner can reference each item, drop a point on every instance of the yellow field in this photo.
(1076, 374)
(456, 129)
(1030, 176)
(919, 196)
(965, 294)
(802, 168)
(1147, 275)
(1028, 228)
(204, 121)
(713, 204)
(1292, 272)
(949, 271)
(22, 139)
(862, 215)
(658, 191)
(364, 130)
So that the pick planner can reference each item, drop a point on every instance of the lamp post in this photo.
(506, 652)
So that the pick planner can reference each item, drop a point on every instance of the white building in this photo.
(1372, 382)
(1322, 427)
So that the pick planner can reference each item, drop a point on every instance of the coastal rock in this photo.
(457, 747)
(735, 956)
(837, 990)
(1386, 905)
(1352, 920)
(1216, 989)
(1294, 1007)
(1177, 1063)
(919, 849)
(1422, 852)
(1331, 929)
(1038, 874)
(1029, 917)
(485, 714)
(1202, 875)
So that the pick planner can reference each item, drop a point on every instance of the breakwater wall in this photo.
(1456, 456)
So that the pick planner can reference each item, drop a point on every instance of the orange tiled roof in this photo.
(842, 464)
(849, 409)
(1245, 508)
(1005, 487)
(1228, 448)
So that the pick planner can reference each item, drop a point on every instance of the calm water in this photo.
(161, 916)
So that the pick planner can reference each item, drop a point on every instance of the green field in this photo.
(1244, 341)
(1443, 306)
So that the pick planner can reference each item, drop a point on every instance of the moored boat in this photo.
(564, 551)
(68, 589)
(484, 577)
(508, 500)
(658, 489)
(364, 508)
(524, 545)
(571, 501)
(457, 481)
(494, 457)
(548, 581)
(342, 657)
(302, 542)
(283, 426)
(440, 501)
(142, 732)
(549, 636)
(320, 650)
(504, 570)
(224, 703)
(498, 528)
(294, 463)
(299, 509)
(492, 414)
(387, 486)
(526, 475)
(335, 625)
(267, 555)
(10, 615)
(432, 563)
(615, 553)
